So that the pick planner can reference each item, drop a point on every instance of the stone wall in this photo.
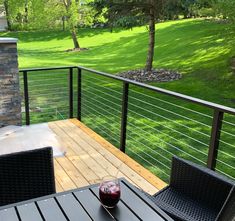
(10, 100)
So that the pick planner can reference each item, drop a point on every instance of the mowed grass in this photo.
(199, 49)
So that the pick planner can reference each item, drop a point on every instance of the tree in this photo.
(6, 6)
(71, 7)
(129, 13)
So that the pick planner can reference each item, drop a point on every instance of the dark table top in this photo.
(83, 204)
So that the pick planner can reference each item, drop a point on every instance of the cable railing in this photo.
(148, 123)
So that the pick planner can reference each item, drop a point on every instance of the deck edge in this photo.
(146, 174)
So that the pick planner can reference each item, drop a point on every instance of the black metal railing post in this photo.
(79, 95)
(215, 137)
(26, 97)
(70, 92)
(124, 116)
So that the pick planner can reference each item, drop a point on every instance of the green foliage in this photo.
(48, 14)
(34, 14)
(226, 9)
(129, 14)
(195, 8)
(71, 12)
(88, 15)
(206, 12)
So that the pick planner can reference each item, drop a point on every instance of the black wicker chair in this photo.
(26, 175)
(227, 213)
(196, 193)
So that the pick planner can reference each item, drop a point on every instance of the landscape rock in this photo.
(156, 75)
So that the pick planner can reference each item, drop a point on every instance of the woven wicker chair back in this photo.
(199, 183)
(26, 175)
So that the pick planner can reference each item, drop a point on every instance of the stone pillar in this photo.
(10, 99)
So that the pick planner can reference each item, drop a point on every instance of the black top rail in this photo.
(46, 69)
(209, 104)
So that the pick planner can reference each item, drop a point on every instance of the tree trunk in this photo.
(63, 23)
(149, 61)
(26, 13)
(7, 14)
(75, 40)
(72, 27)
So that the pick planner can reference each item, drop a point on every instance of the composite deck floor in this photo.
(89, 158)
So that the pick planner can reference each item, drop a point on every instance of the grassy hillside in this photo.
(200, 49)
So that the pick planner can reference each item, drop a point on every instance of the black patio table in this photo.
(83, 204)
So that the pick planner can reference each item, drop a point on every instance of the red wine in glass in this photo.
(109, 192)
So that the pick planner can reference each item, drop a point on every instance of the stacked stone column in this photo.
(10, 99)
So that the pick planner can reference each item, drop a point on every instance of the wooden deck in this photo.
(89, 157)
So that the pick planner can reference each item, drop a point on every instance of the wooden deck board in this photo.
(89, 157)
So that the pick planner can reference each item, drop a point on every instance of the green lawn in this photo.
(199, 49)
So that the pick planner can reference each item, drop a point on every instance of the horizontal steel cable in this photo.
(45, 78)
(93, 88)
(87, 106)
(224, 163)
(167, 102)
(168, 135)
(148, 162)
(49, 89)
(143, 131)
(178, 149)
(97, 124)
(52, 81)
(150, 147)
(40, 85)
(107, 87)
(100, 114)
(116, 110)
(109, 113)
(105, 100)
(50, 107)
(226, 122)
(47, 72)
(150, 156)
(38, 114)
(225, 173)
(226, 143)
(227, 154)
(53, 94)
(179, 115)
(35, 106)
(49, 97)
(223, 131)
(198, 141)
(53, 109)
(101, 96)
(54, 113)
(189, 128)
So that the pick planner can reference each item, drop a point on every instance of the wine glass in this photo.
(109, 191)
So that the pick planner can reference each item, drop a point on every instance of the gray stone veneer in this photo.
(10, 100)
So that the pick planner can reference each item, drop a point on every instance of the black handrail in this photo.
(219, 110)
